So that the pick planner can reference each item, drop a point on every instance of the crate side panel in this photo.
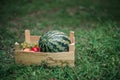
(34, 39)
(61, 59)
(28, 58)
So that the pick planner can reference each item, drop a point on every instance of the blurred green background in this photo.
(97, 32)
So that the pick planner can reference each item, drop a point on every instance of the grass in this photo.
(97, 33)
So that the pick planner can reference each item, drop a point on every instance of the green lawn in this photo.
(97, 33)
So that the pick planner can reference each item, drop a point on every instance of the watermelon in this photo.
(54, 41)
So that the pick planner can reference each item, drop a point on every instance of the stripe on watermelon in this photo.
(58, 46)
(53, 32)
(55, 35)
(54, 47)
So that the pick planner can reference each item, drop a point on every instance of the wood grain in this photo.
(27, 36)
(52, 59)
(34, 39)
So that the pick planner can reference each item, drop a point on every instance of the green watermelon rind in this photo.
(54, 41)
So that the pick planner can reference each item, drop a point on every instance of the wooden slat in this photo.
(34, 39)
(72, 47)
(27, 36)
(72, 38)
(16, 46)
(60, 58)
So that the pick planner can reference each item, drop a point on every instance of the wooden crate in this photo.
(52, 59)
